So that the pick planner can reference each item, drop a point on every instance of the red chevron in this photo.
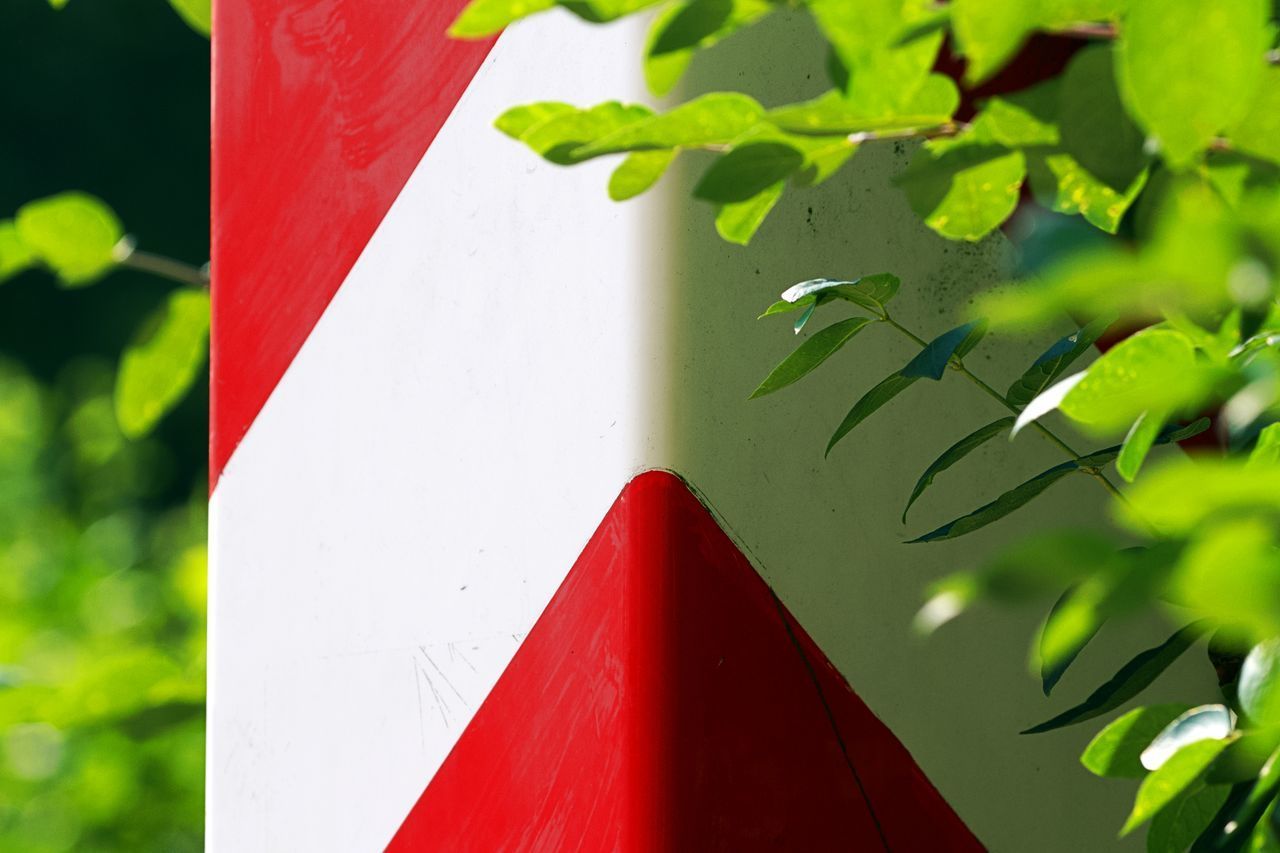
(322, 108)
(667, 701)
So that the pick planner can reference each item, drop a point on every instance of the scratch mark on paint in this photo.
(440, 672)
(453, 650)
(441, 706)
(422, 731)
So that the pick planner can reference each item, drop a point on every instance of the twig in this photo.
(174, 270)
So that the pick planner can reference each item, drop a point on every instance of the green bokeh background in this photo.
(102, 554)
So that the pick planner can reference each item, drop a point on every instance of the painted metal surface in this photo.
(507, 351)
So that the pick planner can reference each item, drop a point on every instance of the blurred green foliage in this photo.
(102, 555)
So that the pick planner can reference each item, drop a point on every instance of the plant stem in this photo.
(1044, 431)
(169, 268)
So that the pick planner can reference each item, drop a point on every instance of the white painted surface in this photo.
(508, 351)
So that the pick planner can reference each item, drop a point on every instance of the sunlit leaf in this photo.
(1206, 722)
(1258, 133)
(954, 454)
(687, 24)
(880, 69)
(1134, 677)
(738, 222)
(1182, 494)
(1183, 819)
(74, 234)
(810, 354)
(1234, 833)
(1064, 186)
(604, 11)
(1266, 452)
(963, 188)
(518, 121)
(638, 172)
(870, 291)
(15, 255)
(1068, 628)
(933, 105)
(560, 137)
(1175, 94)
(1045, 402)
(483, 18)
(197, 13)
(160, 366)
(1137, 443)
(1259, 685)
(1027, 118)
(1116, 750)
(717, 118)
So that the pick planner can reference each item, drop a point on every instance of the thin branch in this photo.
(174, 270)
(1044, 431)
(951, 128)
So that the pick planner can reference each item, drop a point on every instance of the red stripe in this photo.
(322, 109)
(667, 701)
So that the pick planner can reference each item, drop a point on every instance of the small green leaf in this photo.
(1258, 133)
(15, 255)
(717, 118)
(560, 138)
(888, 388)
(604, 11)
(518, 121)
(738, 222)
(1265, 453)
(1051, 364)
(1096, 130)
(198, 14)
(880, 71)
(1259, 685)
(162, 363)
(746, 171)
(783, 306)
(638, 172)
(74, 234)
(1151, 369)
(933, 105)
(1175, 828)
(1073, 621)
(679, 23)
(931, 362)
(1064, 186)
(1174, 777)
(1205, 722)
(484, 18)
(1235, 833)
(954, 454)
(810, 354)
(1137, 444)
(1023, 119)
(989, 33)
(693, 22)
(1132, 678)
(1116, 750)
(1178, 96)
(963, 188)
(870, 291)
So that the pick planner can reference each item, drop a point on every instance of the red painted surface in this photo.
(667, 701)
(322, 108)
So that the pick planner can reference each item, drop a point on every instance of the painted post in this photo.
(502, 557)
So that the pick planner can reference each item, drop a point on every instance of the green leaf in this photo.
(1171, 85)
(738, 222)
(1179, 497)
(1235, 833)
(1137, 444)
(823, 157)
(1096, 130)
(638, 172)
(963, 188)
(1259, 684)
(1160, 788)
(746, 171)
(1177, 825)
(888, 388)
(197, 13)
(954, 454)
(163, 362)
(717, 118)
(1046, 369)
(604, 11)
(810, 354)
(989, 33)
(1265, 453)
(1022, 494)
(518, 121)
(1023, 119)
(15, 255)
(560, 138)
(1152, 369)
(678, 23)
(1206, 722)
(1258, 133)
(1064, 186)
(1116, 750)
(931, 362)
(484, 18)
(1013, 499)
(74, 234)
(1072, 622)
(872, 292)
(933, 105)
(1134, 677)
(882, 71)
